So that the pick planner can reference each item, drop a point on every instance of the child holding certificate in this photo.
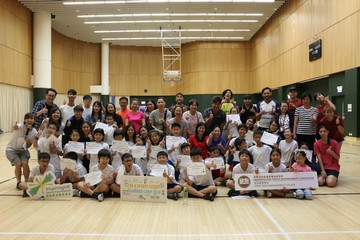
(233, 156)
(276, 166)
(217, 171)
(179, 168)
(74, 136)
(103, 186)
(116, 161)
(17, 149)
(260, 152)
(52, 145)
(301, 165)
(127, 168)
(287, 147)
(244, 167)
(173, 188)
(99, 138)
(174, 150)
(43, 167)
(201, 186)
(73, 176)
(155, 144)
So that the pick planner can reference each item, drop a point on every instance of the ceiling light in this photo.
(163, 1)
(171, 30)
(173, 15)
(174, 38)
(173, 21)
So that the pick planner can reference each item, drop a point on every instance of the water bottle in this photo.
(185, 196)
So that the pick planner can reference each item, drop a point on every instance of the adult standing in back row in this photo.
(266, 109)
(159, 116)
(42, 108)
(214, 116)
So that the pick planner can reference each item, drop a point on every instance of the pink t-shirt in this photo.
(299, 168)
(329, 162)
(135, 119)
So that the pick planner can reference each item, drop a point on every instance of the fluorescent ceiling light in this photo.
(173, 21)
(171, 30)
(173, 38)
(173, 15)
(164, 1)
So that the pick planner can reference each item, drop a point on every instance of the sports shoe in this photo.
(208, 197)
(253, 194)
(232, 193)
(98, 196)
(299, 194)
(290, 195)
(25, 194)
(76, 192)
(172, 196)
(268, 194)
(17, 186)
(308, 194)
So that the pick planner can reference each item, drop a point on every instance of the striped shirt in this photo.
(305, 125)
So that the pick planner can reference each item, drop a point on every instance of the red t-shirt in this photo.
(333, 129)
(297, 102)
(194, 143)
(329, 162)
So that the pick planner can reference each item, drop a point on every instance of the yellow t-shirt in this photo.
(226, 107)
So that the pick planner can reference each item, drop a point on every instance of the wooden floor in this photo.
(332, 214)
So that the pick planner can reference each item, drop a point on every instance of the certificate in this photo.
(269, 181)
(234, 118)
(93, 178)
(196, 168)
(101, 125)
(120, 146)
(155, 150)
(68, 163)
(157, 170)
(93, 147)
(138, 151)
(309, 153)
(269, 138)
(249, 136)
(236, 157)
(218, 161)
(185, 160)
(172, 141)
(51, 140)
(77, 147)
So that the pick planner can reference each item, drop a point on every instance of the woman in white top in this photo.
(193, 117)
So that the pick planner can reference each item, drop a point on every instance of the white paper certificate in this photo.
(233, 118)
(196, 168)
(172, 141)
(138, 151)
(185, 160)
(77, 147)
(268, 181)
(101, 125)
(309, 153)
(68, 163)
(157, 170)
(249, 136)
(93, 147)
(154, 151)
(120, 146)
(269, 138)
(93, 178)
(218, 161)
(52, 140)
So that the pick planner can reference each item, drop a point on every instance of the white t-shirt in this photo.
(107, 171)
(94, 160)
(280, 168)
(203, 180)
(17, 141)
(135, 171)
(238, 170)
(86, 112)
(54, 158)
(286, 151)
(36, 170)
(261, 156)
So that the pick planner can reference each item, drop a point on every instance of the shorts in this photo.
(198, 187)
(216, 173)
(330, 172)
(171, 185)
(16, 156)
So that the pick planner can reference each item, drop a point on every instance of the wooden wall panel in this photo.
(280, 49)
(75, 64)
(15, 44)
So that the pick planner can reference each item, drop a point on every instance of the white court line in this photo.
(277, 225)
(177, 235)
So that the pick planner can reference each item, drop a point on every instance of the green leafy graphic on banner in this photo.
(36, 188)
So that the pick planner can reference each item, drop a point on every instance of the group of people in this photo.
(225, 130)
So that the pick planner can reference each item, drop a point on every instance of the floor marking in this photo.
(178, 235)
(272, 219)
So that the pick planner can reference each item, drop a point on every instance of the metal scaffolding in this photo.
(171, 56)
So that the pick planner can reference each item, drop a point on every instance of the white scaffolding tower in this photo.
(171, 56)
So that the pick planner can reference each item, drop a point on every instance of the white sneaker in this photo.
(76, 192)
(268, 194)
(299, 194)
